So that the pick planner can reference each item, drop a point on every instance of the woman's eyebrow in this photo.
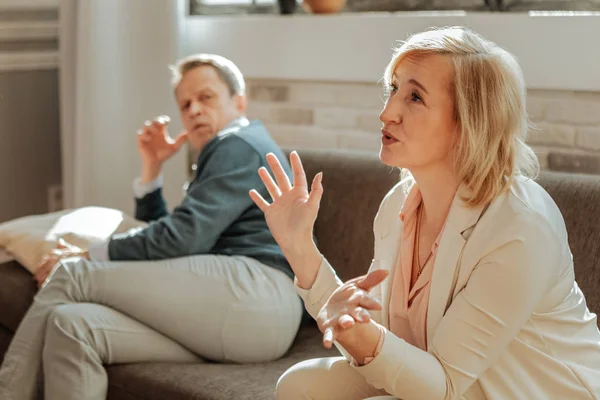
(412, 81)
(418, 84)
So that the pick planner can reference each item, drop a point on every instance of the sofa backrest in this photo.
(578, 198)
(355, 183)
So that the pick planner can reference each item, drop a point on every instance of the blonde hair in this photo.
(226, 69)
(490, 109)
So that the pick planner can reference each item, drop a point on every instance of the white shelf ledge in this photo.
(555, 51)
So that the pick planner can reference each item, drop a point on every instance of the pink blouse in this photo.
(410, 291)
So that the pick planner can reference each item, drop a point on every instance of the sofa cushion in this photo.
(17, 289)
(5, 338)
(578, 198)
(208, 381)
(212, 381)
(28, 239)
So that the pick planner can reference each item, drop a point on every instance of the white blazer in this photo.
(506, 319)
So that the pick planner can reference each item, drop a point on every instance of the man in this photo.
(206, 281)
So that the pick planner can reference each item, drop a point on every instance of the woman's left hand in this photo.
(350, 303)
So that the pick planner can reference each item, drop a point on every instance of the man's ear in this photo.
(241, 103)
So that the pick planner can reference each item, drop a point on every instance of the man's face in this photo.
(206, 105)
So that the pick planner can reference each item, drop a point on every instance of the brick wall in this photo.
(346, 116)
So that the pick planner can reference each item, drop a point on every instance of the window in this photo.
(215, 7)
(212, 7)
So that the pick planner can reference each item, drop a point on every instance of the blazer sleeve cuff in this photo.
(405, 371)
(325, 284)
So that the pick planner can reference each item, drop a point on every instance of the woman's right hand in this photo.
(350, 303)
(292, 214)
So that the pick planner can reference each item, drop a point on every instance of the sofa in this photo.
(354, 183)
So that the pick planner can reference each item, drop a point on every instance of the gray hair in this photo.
(227, 70)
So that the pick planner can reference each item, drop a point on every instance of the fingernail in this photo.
(328, 336)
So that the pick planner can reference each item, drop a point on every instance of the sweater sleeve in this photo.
(151, 207)
(150, 204)
(216, 198)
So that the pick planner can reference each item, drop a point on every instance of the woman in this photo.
(480, 301)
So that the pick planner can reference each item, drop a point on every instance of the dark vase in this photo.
(287, 6)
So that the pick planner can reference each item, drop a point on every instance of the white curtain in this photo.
(114, 57)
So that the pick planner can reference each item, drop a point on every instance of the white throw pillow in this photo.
(29, 238)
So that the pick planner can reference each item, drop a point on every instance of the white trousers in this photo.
(227, 309)
(326, 379)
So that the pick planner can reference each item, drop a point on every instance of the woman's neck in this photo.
(438, 187)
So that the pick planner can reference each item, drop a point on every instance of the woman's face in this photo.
(419, 128)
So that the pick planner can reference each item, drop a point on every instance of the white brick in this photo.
(588, 96)
(576, 111)
(536, 107)
(335, 118)
(552, 134)
(262, 111)
(588, 138)
(360, 95)
(293, 115)
(370, 122)
(313, 93)
(551, 94)
(359, 141)
(303, 137)
(281, 113)
(267, 91)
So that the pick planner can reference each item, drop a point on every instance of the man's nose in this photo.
(195, 108)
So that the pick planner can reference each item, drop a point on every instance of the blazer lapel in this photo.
(445, 270)
(387, 255)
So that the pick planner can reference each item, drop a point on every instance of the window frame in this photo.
(233, 7)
